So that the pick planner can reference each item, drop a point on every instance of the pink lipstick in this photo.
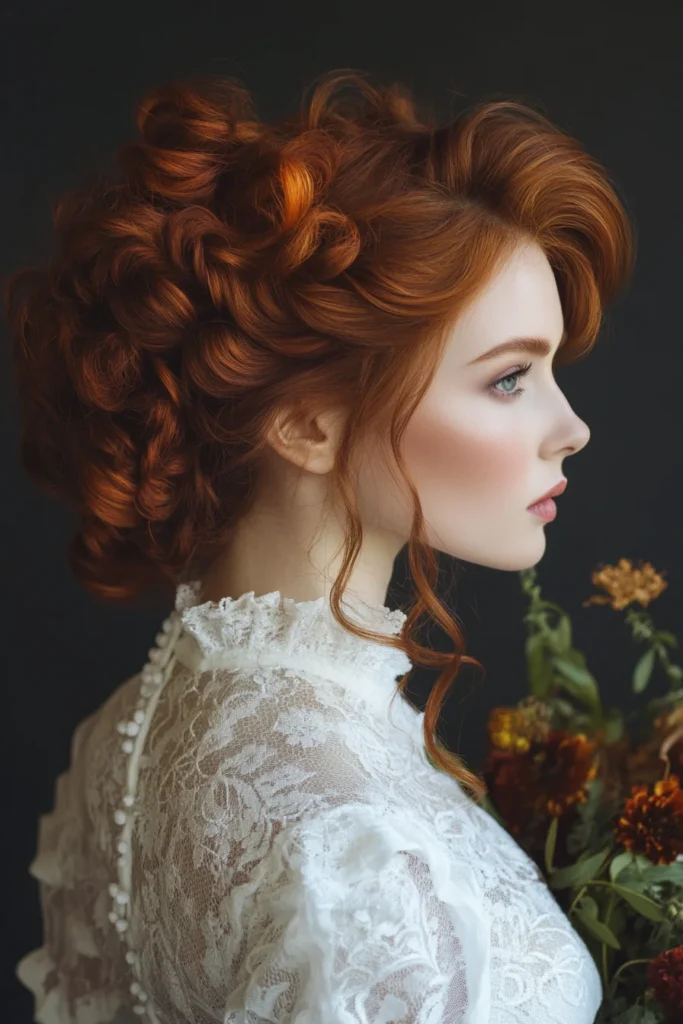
(545, 507)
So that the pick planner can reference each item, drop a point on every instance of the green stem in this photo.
(582, 891)
(629, 963)
(576, 900)
(643, 629)
(594, 881)
(608, 914)
(641, 624)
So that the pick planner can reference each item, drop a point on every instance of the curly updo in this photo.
(237, 267)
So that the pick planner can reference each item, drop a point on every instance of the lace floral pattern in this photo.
(293, 854)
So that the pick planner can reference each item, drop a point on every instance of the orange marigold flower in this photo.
(548, 778)
(652, 822)
(665, 976)
(625, 584)
(568, 764)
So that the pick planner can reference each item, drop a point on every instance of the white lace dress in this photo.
(250, 831)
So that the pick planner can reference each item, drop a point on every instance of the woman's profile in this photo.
(261, 362)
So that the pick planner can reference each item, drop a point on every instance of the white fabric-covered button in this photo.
(152, 677)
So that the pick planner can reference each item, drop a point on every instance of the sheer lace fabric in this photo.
(293, 855)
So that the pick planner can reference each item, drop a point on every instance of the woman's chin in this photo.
(513, 553)
(526, 556)
(533, 559)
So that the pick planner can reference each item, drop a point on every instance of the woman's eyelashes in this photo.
(511, 376)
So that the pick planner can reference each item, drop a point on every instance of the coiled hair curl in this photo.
(239, 266)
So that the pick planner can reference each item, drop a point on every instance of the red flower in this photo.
(547, 779)
(652, 822)
(665, 976)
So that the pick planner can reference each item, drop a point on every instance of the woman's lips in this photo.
(546, 509)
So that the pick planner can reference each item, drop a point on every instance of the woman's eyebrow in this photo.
(534, 346)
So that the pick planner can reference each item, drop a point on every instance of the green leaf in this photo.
(670, 873)
(614, 725)
(621, 861)
(587, 913)
(562, 636)
(577, 657)
(643, 904)
(634, 1014)
(631, 873)
(578, 874)
(552, 606)
(539, 667)
(643, 670)
(630, 877)
(672, 699)
(667, 638)
(550, 841)
(579, 682)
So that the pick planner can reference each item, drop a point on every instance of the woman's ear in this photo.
(307, 439)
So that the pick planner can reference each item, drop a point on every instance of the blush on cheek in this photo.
(449, 463)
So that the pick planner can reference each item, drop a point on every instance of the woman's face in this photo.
(485, 443)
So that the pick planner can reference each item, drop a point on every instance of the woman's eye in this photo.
(507, 392)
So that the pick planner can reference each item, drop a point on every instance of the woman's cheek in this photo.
(448, 457)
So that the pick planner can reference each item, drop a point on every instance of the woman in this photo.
(262, 362)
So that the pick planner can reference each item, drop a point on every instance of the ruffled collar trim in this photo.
(275, 630)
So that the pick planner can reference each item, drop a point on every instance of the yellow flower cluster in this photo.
(515, 729)
(626, 584)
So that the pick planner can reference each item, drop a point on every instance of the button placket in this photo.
(153, 676)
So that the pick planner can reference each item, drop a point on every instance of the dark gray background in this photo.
(608, 73)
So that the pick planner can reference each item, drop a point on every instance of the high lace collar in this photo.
(275, 630)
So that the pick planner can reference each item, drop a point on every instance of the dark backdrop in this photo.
(608, 72)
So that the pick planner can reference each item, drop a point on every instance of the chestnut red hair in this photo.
(238, 267)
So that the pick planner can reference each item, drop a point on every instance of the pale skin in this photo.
(478, 455)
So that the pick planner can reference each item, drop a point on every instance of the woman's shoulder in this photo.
(100, 726)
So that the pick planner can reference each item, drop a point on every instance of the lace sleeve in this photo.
(352, 918)
(76, 976)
